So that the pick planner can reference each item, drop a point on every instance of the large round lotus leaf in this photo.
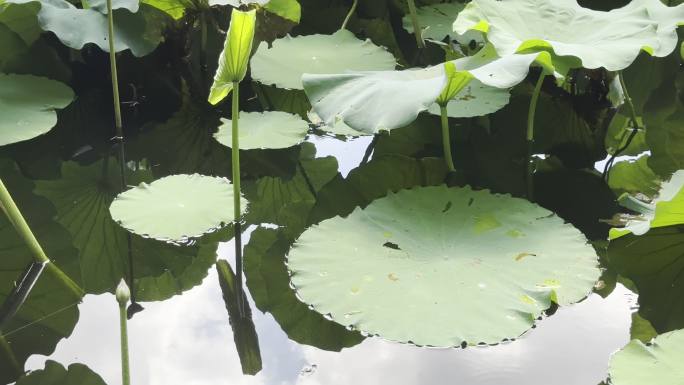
(599, 39)
(261, 130)
(140, 32)
(442, 267)
(360, 99)
(437, 21)
(476, 99)
(660, 362)
(175, 208)
(289, 58)
(27, 106)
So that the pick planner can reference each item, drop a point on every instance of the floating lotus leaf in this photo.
(289, 58)
(476, 99)
(140, 32)
(442, 267)
(665, 210)
(437, 21)
(659, 362)
(260, 130)
(27, 106)
(360, 98)
(175, 208)
(55, 374)
(610, 39)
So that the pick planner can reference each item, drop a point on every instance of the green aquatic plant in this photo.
(175, 198)
(265, 130)
(657, 362)
(442, 267)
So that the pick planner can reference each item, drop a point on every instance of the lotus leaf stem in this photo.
(446, 140)
(416, 25)
(529, 174)
(123, 324)
(235, 149)
(12, 212)
(349, 14)
(629, 102)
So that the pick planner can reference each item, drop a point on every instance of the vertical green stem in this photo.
(19, 223)
(115, 78)
(416, 25)
(235, 149)
(629, 102)
(530, 136)
(349, 14)
(123, 323)
(446, 140)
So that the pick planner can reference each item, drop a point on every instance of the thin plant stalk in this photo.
(629, 102)
(19, 223)
(203, 41)
(529, 175)
(416, 25)
(118, 124)
(446, 139)
(349, 14)
(235, 147)
(123, 324)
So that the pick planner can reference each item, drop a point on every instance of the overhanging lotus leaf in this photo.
(659, 362)
(667, 209)
(610, 39)
(362, 99)
(284, 63)
(175, 208)
(442, 267)
(137, 27)
(27, 106)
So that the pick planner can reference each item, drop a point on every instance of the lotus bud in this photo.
(123, 293)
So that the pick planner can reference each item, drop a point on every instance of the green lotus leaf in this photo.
(634, 176)
(12, 46)
(666, 209)
(49, 314)
(234, 58)
(438, 20)
(442, 267)
(174, 8)
(101, 5)
(268, 282)
(610, 39)
(27, 106)
(659, 362)
(476, 99)
(140, 32)
(654, 263)
(360, 98)
(81, 198)
(176, 208)
(21, 19)
(262, 130)
(284, 63)
(55, 374)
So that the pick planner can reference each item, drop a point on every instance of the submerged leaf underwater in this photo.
(269, 192)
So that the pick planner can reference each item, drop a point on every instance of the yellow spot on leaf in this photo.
(527, 299)
(355, 290)
(485, 223)
(515, 233)
(387, 234)
(392, 277)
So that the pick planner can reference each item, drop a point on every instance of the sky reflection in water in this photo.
(188, 340)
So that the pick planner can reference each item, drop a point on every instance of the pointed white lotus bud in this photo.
(123, 293)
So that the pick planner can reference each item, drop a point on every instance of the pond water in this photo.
(188, 338)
